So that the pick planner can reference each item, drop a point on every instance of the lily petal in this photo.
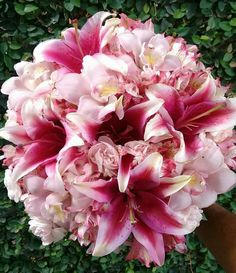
(72, 86)
(86, 126)
(15, 134)
(171, 185)
(152, 241)
(69, 52)
(180, 200)
(38, 153)
(114, 227)
(157, 215)
(148, 171)
(124, 171)
(171, 62)
(222, 181)
(172, 101)
(100, 190)
(207, 116)
(205, 92)
(156, 130)
(137, 115)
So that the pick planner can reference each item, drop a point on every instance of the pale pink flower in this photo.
(210, 176)
(46, 230)
(105, 155)
(33, 81)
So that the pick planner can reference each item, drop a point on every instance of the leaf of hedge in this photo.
(30, 8)
(19, 8)
(14, 45)
(196, 39)
(3, 47)
(146, 8)
(232, 22)
(205, 4)
(76, 3)
(211, 22)
(8, 61)
(139, 5)
(68, 6)
(233, 5)
(115, 4)
(178, 13)
(227, 57)
(92, 9)
(225, 26)
(221, 5)
(230, 71)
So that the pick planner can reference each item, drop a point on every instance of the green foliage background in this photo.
(211, 24)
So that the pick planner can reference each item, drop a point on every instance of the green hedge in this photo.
(211, 24)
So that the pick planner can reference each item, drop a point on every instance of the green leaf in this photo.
(30, 8)
(221, 5)
(8, 61)
(144, 17)
(14, 54)
(146, 8)
(233, 205)
(115, 4)
(211, 22)
(76, 3)
(68, 6)
(92, 10)
(232, 22)
(19, 8)
(205, 38)
(3, 47)
(196, 39)
(139, 5)
(230, 71)
(178, 13)
(15, 45)
(233, 5)
(205, 4)
(225, 26)
(36, 32)
(41, 264)
(183, 31)
(227, 57)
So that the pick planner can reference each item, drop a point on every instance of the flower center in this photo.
(119, 131)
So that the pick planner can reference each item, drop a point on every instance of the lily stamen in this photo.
(74, 22)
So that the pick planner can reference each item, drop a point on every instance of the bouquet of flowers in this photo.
(118, 135)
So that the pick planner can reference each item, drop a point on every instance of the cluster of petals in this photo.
(117, 136)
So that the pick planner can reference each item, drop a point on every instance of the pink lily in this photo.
(70, 50)
(136, 207)
(42, 139)
(193, 119)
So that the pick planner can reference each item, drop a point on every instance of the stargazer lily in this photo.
(137, 204)
(70, 50)
(193, 118)
(42, 141)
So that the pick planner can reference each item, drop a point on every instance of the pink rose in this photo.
(105, 155)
